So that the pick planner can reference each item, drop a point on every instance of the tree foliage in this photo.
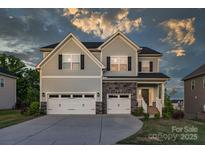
(168, 107)
(27, 79)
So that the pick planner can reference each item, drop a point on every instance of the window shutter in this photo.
(151, 66)
(82, 62)
(129, 63)
(140, 66)
(60, 62)
(108, 63)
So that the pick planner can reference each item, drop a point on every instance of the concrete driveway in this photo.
(70, 129)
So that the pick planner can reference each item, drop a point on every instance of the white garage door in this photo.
(71, 104)
(118, 104)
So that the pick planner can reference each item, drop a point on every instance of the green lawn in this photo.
(162, 131)
(12, 117)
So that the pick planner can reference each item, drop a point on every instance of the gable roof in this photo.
(79, 43)
(118, 33)
(89, 45)
(198, 72)
(7, 73)
(93, 45)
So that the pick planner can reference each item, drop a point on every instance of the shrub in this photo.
(178, 115)
(138, 112)
(146, 116)
(168, 107)
(166, 115)
(34, 108)
(157, 115)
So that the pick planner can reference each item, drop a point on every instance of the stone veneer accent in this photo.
(99, 108)
(119, 87)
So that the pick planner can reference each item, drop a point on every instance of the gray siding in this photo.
(155, 61)
(50, 68)
(118, 47)
(71, 85)
(194, 99)
(8, 93)
(64, 84)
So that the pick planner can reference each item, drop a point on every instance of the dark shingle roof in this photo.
(86, 44)
(143, 75)
(91, 45)
(198, 72)
(152, 75)
(146, 50)
(6, 72)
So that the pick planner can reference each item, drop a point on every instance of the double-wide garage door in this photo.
(118, 104)
(71, 104)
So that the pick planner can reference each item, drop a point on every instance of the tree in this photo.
(168, 107)
(27, 79)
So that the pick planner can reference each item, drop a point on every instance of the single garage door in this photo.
(118, 104)
(71, 104)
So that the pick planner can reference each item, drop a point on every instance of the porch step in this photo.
(152, 110)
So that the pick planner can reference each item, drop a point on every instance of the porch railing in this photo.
(159, 105)
(143, 104)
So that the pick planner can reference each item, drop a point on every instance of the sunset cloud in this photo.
(180, 33)
(102, 24)
(179, 52)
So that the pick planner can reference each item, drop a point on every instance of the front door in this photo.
(145, 95)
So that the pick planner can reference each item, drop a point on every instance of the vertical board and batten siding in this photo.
(118, 47)
(58, 85)
(8, 93)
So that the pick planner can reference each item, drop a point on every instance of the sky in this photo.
(179, 34)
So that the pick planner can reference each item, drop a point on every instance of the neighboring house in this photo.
(178, 104)
(111, 77)
(194, 93)
(7, 89)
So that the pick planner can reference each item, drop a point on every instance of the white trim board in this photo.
(70, 77)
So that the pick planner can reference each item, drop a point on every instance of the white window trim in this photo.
(71, 67)
(118, 68)
(193, 83)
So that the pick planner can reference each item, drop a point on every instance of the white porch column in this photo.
(163, 93)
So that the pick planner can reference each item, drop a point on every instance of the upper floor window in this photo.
(71, 61)
(119, 63)
(204, 82)
(192, 84)
(145, 66)
(1, 82)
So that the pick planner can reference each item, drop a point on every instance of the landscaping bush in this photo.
(167, 115)
(138, 112)
(34, 108)
(168, 107)
(178, 115)
(157, 115)
(146, 116)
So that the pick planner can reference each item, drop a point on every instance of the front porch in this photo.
(150, 96)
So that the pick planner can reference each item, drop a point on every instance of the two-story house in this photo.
(111, 77)
(194, 94)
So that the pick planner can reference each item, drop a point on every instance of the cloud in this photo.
(102, 24)
(179, 52)
(180, 33)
